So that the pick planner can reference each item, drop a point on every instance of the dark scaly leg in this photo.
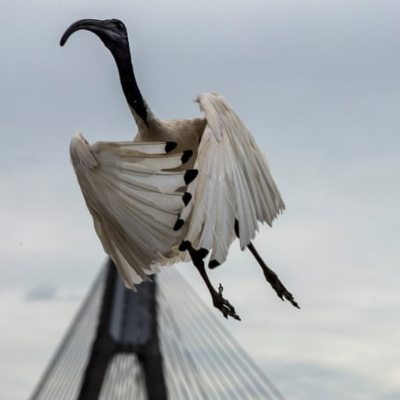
(269, 274)
(273, 278)
(219, 301)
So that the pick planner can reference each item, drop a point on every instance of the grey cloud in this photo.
(390, 396)
(41, 293)
(323, 382)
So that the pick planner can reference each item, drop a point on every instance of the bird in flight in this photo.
(181, 190)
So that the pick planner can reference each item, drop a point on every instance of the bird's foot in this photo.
(223, 305)
(279, 288)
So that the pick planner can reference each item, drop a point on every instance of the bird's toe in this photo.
(226, 308)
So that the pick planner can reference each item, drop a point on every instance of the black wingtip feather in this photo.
(190, 175)
(178, 224)
(186, 198)
(185, 245)
(187, 154)
(169, 146)
(237, 227)
(213, 264)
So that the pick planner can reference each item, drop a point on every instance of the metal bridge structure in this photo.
(157, 343)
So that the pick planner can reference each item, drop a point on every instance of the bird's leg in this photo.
(219, 301)
(269, 274)
(273, 278)
(226, 308)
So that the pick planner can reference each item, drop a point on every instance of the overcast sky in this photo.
(317, 82)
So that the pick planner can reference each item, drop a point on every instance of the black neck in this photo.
(129, 85)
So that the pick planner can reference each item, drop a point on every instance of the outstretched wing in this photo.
(134, 193)
(234, 183)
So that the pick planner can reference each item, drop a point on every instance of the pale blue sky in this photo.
(315, 81)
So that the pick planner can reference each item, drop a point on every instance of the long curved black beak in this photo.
(93, 25)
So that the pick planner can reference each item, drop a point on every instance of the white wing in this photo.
(234, 183)
(134, 193)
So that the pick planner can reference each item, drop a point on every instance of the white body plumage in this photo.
(134, 190)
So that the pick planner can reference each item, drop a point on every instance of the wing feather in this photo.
(234, 183)
(134, 193)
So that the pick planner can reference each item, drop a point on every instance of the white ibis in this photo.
(182, 188)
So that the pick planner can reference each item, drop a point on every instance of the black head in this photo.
(112, 32)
